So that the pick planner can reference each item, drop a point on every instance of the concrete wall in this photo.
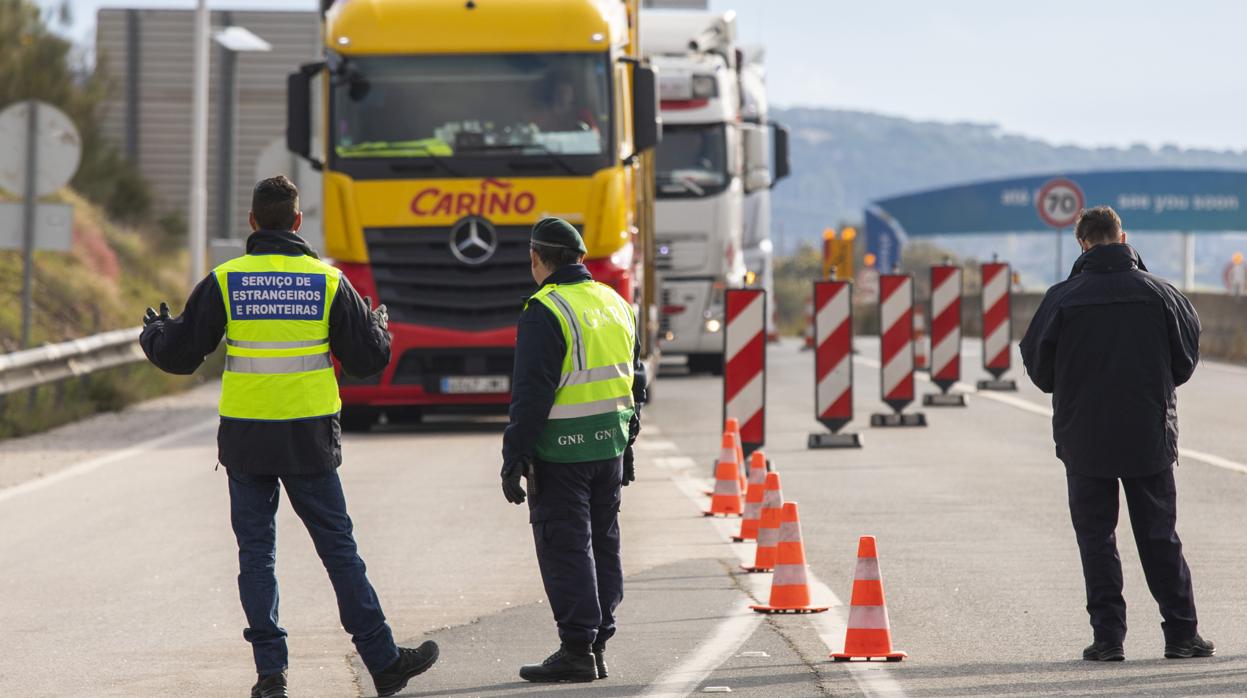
(1223, 318)
(153, 123)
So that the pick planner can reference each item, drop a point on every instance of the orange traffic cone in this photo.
(726, 496)
(789, 591)
(768, 529)
(753, 498)
(732, 426)
(868, 636)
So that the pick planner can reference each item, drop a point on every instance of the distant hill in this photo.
(841, 160)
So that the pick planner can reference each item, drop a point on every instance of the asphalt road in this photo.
(117, 563)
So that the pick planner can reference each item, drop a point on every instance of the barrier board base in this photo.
(943, 400)
(904, 419)
(1006, 384)
(828, 440)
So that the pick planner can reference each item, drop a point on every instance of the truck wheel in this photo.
(358, 419)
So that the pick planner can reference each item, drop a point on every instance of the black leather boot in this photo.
(410, 663)
(1191, 647)
(270, 686)
(599, 657)
(570, 663)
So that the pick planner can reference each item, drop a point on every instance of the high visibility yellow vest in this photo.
(593, 402)
(277, 365)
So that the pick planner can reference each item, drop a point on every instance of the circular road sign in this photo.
(1059, 202)
(57, 140)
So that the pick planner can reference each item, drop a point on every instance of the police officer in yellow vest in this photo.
(577, 390)
(282, 312)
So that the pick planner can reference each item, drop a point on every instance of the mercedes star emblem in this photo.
(473, 240)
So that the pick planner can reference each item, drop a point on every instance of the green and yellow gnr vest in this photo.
(593, 401)
(277, 365)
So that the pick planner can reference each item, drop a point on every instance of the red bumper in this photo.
(485, 353)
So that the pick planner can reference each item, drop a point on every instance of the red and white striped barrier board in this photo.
(896, 349)
(945, 334)
(833, 363)
(744, 372)
(997, 325)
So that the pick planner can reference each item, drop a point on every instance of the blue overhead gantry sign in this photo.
(1156, 200)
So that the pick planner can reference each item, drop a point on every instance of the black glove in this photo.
(381, 315)
(629, 473)
(511, 488)
(152, 316)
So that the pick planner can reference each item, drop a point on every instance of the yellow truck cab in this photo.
(445, 129)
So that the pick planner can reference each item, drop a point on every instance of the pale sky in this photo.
(1088, 72)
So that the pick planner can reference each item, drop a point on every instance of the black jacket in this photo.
(300, 447)
(539, 351)
(1111, 343)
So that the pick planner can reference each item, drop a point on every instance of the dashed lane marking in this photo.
(100, 461)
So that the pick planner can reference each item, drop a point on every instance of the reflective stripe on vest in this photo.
(593, 400)
(277, 361)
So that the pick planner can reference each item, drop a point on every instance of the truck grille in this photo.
(423, 283)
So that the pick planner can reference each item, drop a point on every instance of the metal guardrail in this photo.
(78, 357)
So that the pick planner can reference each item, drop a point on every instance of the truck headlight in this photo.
(713, 325)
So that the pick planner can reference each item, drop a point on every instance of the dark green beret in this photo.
(556, 232)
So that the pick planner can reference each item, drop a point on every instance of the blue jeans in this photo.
(319, 502)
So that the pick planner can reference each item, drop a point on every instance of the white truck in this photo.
(700, 187)
(766, 162)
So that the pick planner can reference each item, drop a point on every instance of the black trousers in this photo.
(1153, 504)
(575, 516)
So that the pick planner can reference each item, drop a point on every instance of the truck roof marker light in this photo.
(344, 41)
(598, 37)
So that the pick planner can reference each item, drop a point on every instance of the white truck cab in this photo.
(700, 184)
(766, 162)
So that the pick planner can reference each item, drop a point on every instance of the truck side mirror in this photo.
(782, 168)
(299, 112)
(646, 119)
(757, 157)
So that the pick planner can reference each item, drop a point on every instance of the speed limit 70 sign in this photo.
(1059, 202)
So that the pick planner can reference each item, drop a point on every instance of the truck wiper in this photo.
(542, 149)
(398, 149)
(685, 183)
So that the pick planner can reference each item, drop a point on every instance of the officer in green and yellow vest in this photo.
(282, 313)
(575, 402)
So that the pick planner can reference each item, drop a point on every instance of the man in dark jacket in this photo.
(300, 451)
(574, 492)
(1111, 343)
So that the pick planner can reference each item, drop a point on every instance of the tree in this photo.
(37, 64)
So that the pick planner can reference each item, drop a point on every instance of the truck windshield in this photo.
(692, 161)
(465, 112)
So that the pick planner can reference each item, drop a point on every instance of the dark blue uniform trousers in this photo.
(319, 502)
(575, 518)
(1153, 504)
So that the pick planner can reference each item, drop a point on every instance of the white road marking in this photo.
(728, 636)
(101, 461)
(1028, 406)
(870, 677)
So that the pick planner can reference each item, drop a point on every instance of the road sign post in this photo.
(896, 351)
(833, 364)
(39, 153)
(28, 220)
(744, 365)
(945, 336)
(997, 278)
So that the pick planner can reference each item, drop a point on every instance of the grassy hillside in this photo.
(841, 160)
(111, 274)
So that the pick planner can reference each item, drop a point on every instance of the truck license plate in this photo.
(476, 384)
